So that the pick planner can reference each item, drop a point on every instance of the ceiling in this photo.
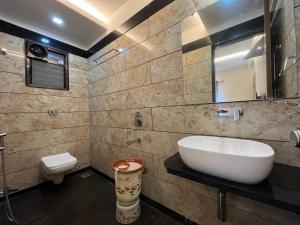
(79, 28)
(219, 16)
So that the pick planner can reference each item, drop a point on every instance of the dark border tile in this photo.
(139, 17)
(20, 32)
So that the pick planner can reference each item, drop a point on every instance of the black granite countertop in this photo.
(280, 189)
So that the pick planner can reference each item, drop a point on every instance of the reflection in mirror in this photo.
(224, 52)
(285, 33)
(240, 70)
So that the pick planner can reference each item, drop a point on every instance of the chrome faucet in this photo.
(222, 111)
(235, 112)
(138, 140)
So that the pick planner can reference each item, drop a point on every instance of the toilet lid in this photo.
(58, 160)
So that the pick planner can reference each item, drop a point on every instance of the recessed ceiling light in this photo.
(90, 10)
(45, 40)
(57, 20)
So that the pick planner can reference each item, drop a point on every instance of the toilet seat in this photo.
(59, 163)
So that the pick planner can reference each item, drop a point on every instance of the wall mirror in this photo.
(240, 50)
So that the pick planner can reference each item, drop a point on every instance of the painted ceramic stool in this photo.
(128, 184)
(128, 180)
(128, 214)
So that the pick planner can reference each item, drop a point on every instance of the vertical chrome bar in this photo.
(222, 206)
(8, 210)
(2, 141)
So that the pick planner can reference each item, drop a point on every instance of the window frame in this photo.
(28, 72)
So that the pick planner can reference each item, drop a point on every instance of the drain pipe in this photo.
(222, 206)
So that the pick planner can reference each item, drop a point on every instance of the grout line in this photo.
(144, 85)
(44, 112)
(55, 128)
(188, 133)
(29, 168)
(126, 69)
(17, 93)
(46, 146)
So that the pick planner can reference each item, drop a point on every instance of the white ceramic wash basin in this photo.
(238, 160)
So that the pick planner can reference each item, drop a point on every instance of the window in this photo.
(46, 67)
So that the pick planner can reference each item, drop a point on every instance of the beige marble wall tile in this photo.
(107, 85)
(112, 66)
(110, 101)
(12, 64)
(77, 62)
(201, 4)
(170, 15)
(20, 122)
(198, 55)
(95, 59)
(159, 143)
(37, 139)
(159, 94)
(198, 98)
(166, 68)
(170, 195)
(264, 211)
(15, 83)
(83, 161)
(16, 161)
(12, 43)
(103, 158)
(148, 160)
(200, 209)
(290, 83)
(138, 54)
(78, 76)
(105, 154)
(201, 189)
(204, 211)
(24, 178)
(135, 77)
(121, 118)
(165, 42)
(285, 153)
(198, 85)
(270, 120)
(41, 103)
(198, 69)
(161, 173)
(134, 36)
(116, 136)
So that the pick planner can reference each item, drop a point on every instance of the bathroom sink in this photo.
(237, 160)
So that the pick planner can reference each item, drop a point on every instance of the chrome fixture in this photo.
(138, 140)
(295, 59)
(8, 210)
(222, 111)
(138, 119)
(3, 51)
(222, 206)
(112, 50)
(52, 112)
(235, 112)
(295, 138)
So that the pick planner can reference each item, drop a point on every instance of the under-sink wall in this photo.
(148, 78)
(33, 134)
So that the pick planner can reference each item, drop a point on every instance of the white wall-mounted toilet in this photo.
(54, 167)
